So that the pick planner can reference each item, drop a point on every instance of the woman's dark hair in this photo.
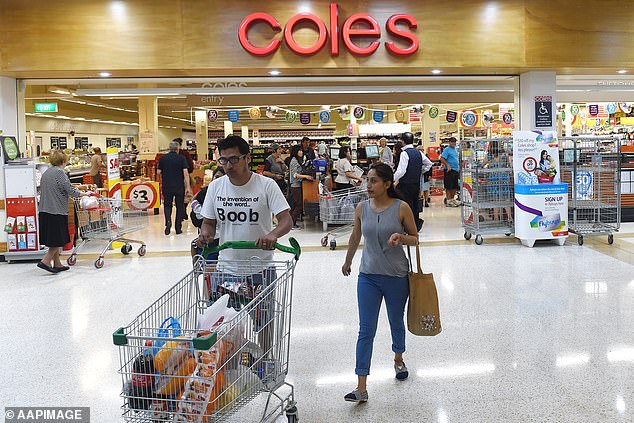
(386, 173)
(233, 141)
(541, 156)
(295, 151)
(343, 152)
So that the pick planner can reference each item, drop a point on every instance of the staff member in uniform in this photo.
(96, 163)
(175, 184)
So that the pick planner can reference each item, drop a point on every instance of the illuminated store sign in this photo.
(358, 25)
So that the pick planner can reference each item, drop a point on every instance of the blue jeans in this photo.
(371, 289)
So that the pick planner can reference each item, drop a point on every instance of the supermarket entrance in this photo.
(333, 111)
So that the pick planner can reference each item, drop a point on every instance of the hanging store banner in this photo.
(451, 116)
(233, 115)
(611, 108)
(359, 113)
(290, 117)
(212, 115)
(507, 118)
(378, 116)
(574, 109)
(469, 119)
(254, 113)
(324, 116)
(304, 118)
(541, 200)
(433, 112)
(593, 110)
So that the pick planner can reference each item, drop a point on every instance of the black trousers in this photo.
(169, 199)
(410, 192)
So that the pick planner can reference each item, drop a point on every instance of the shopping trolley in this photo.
(197, 357)
(108, 219)
(337, 208)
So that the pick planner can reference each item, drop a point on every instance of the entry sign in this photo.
(324, 116)
(304, 118)
(233, 115)
(543, 111)
(451, 116)
(377, 115)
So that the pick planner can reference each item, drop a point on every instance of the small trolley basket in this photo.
(108, 219)
(337, 208)
(215, 341)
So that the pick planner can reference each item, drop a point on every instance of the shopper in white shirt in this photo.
(411, 165)
(241, 205)
(345, 172)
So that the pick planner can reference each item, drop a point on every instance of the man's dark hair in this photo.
(452, 139)
(179, 140)
(408, 138)
(233, 141)
(305, 139)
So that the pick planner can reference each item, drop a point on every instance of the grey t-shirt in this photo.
(273, 166)
(378, 258)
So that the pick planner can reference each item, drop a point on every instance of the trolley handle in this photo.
(294, 248)
(204, 342)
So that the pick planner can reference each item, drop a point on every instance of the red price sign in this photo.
(142, 196)
(530, 164)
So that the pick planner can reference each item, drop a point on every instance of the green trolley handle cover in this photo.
(294, 248)
(206, 342)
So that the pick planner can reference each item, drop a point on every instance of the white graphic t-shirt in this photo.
(243, 213)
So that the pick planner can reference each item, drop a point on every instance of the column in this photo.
(148, 127)
(202, 134)
(430, 127)
(8, 126)
(228, 128)
(536, 102)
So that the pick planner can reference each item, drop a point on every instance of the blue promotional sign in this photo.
(233, 115)
(611, 108)
(378, 115)
(584, 185)
(324, 116)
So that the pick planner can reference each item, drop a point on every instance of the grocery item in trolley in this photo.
(187, 358)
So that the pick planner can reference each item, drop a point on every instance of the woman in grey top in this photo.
(387, 223)
(53, 211)
(296, 177)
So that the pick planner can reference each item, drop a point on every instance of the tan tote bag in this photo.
(423, 313)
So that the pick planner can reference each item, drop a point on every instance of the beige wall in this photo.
(199, 37)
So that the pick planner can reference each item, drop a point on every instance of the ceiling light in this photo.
(274, 72)
(436, 71)
(621, 71)
(104, 74)
(59, 90)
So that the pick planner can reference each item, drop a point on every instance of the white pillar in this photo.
(8, 126)
(245, 133)
(202, 134)
(228, 128)
(536, 101)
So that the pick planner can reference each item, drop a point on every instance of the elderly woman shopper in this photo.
(53, 211)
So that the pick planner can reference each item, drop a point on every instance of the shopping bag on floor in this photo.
(423, 313)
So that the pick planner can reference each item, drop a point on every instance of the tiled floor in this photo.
(529, 335)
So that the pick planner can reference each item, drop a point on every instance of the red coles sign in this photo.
(357, 25)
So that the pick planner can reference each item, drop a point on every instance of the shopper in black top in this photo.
(175, 184)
